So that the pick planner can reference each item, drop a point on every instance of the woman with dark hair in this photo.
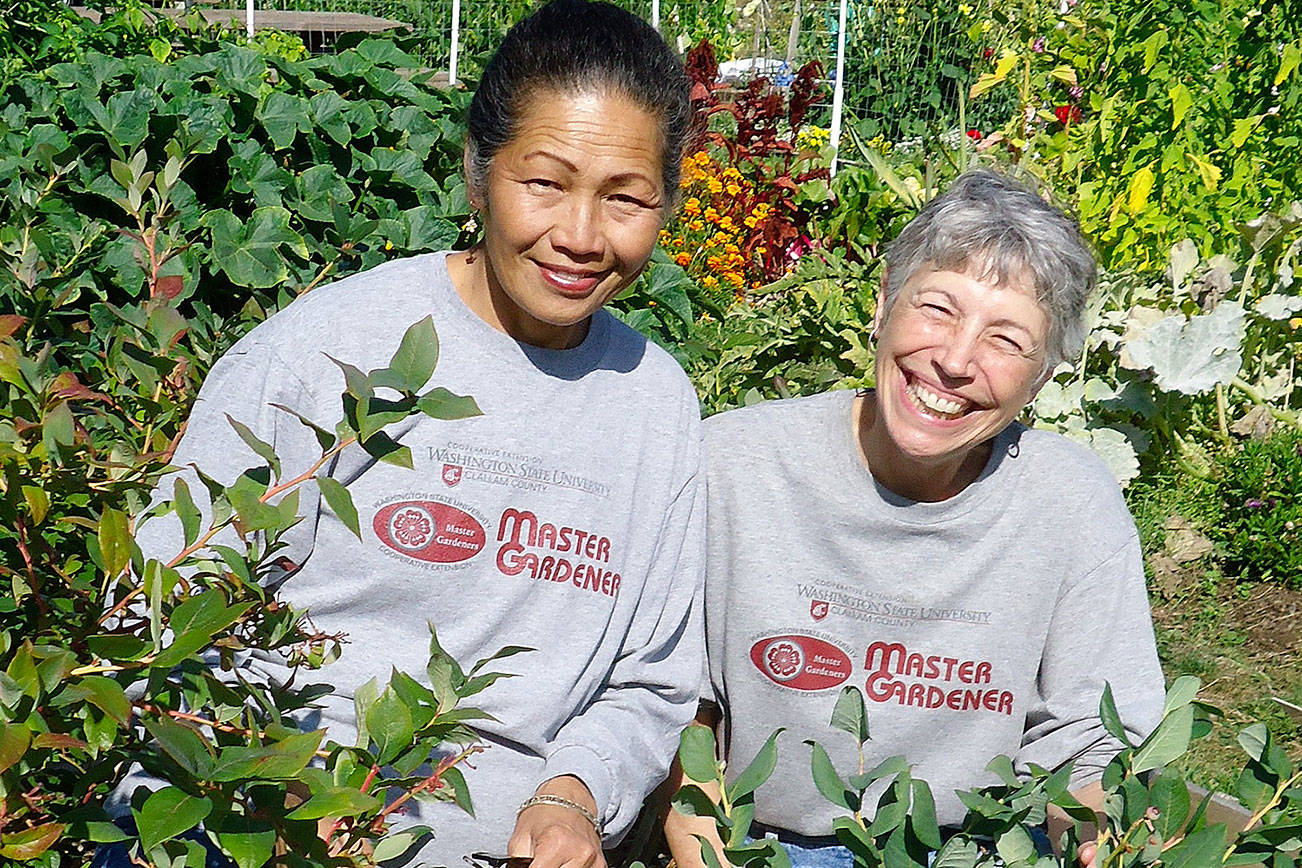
(978, 580)
(569, 516)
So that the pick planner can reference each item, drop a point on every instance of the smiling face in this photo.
(957, 359)
(571, 208)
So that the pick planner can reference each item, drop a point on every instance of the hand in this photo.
(553, 836)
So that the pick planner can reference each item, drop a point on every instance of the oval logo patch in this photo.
(429, 531)
(801, 662)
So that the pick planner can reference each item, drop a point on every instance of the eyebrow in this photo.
(1005, 322)
(620, 178)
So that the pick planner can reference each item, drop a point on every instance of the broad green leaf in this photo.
(692, 801)
(283, 115)
(1170, 796)
(1166, 743)
(30, 843)
(439, 403)
(923, 815)
(1181, 692)
(252, 252)
(855, 838)
(14, 739)
(380, 413)
(341, 503)
(708, 856)
(888, 767)
(395, 844)
(248, 842)
(1203, 849)
(114, 536)
(1181, 102)
(1254, 739)
(414, 361)
(1209, 172)
(758, 771)
(278, 761)
(1002, 767)
(1243, 128)
(849, 714)
(363, 698)
(166, 814)
(261, 448)
(194, 623)
(827, 781)
(336, 802)
(106, 695)
(958, 852)
(38, 502)
(1152, 45)
(187, 747)
(892, 810)
(696, 753)
(390, 725)
(428, 229)
(1015, 845)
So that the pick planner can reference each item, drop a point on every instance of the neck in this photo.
(477, 284)
(921, 481)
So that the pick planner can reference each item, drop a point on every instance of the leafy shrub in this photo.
(1161, 119)
(1260, 486)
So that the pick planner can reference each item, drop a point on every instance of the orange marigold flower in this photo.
(751, 222)
(736, 279)
(696, 225)
(711, 215)
(683, 259)
(709, 282)
(732, 189)
(727, 224)
(714, 185)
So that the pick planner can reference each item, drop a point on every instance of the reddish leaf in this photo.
(67, 386)
(30, 843)
(59, 741)
(10, 323)
(169, 286)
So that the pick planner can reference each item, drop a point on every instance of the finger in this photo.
(1085, 854)
(562, 847)
(520, 846)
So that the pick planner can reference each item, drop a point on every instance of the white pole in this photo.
(838, 89)
(248, 17)
(655, 14)
(456, 39)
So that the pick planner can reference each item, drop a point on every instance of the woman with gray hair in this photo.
(977, 579)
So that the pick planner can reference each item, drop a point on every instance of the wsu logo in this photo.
(818, 609)
(451, 474)
(800, 662)
(429, 531)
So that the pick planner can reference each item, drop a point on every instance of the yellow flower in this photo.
(692, 207)
(709, 282)
(1295, 322)
(751, 222)
(714, 185)
(736, 279)
(711, 215)
(731, 172)
(732, 189)
(696, 226)
(727, 224)
(964, 9)
(714, 263)
(388, 245)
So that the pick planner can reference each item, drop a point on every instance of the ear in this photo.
(473, 194)
(879, 313)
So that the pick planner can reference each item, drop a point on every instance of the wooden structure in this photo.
(318, 30)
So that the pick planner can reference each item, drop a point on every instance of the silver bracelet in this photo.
(560, 802)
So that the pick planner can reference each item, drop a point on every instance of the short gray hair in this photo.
(987, 225)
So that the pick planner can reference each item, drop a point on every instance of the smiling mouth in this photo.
(576, 283)
(933, 405)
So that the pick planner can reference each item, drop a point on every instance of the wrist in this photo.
(570, 788)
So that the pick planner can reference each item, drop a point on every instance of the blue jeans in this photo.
(828, 853)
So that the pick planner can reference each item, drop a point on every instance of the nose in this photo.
(578, 230)
(955, 359)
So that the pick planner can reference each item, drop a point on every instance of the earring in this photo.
(471, 224)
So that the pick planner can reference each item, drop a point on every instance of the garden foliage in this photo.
(1150, 816)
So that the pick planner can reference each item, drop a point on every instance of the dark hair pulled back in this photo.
(577, 46)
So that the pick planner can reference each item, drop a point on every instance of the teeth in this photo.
(933, 402)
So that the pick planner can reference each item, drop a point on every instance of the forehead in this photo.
(594, 131)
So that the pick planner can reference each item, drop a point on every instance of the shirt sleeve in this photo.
(1100, 631)
(243, 385)
(620, 745)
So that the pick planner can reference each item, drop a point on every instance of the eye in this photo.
(542, 184)
(626, 200)
(1008, 343)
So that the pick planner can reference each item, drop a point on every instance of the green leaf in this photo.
(1002, 767)
(958, 852)
(1254, 740)
(341, 503)
(414, 362)
(849, 714)
(1141, 186)
(500, 654)
(827, 781)
(278, 761)
(692, 801)
(428, 229)
(262, 448)
(1202, 849)
(1166, 743)
(886, 768)
(106, 695)
(248, 842)
(323, 437)
(38, 502)
(460, 792)
(923, 815)
(395, 844)
(188, 748)
(1015, 845)
(1181, 692)
(696, 753)
(252, 252)
(1170, 796)
(439, 403)
(283, 115)
(194, 623)
(1243, 128)
(1181, 102)
(1111, 719)
(758, 771)
(114, 540)
(14, 740)
(1288, 61)
(708, 856)
(186, 511)
(383, 447)
(390, 725)
(336, 802)
(166, 814)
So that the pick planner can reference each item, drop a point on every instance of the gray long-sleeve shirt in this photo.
(567, 518)
(985, 624)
